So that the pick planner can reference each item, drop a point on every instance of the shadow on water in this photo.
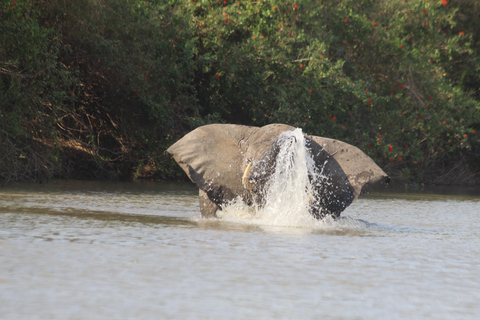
(424, 193)
(108, 216)
(342, 227)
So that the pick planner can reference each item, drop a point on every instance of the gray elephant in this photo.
(229, 161)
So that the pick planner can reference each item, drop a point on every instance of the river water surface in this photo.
(97, 250)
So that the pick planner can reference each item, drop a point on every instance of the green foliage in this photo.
(102, 87)
(108, 82)
(380, 75)
(34, 87)
(135, 59)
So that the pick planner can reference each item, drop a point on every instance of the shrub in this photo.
(376, 74)
(34, 88)
(99, 88)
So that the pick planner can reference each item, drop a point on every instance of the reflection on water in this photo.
(99, 250)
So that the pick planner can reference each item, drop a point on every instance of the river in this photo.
(105, 250)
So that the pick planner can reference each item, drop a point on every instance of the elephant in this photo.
(229, 161)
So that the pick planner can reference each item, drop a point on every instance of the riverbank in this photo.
(100, 89)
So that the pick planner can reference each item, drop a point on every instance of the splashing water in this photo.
(288, 192)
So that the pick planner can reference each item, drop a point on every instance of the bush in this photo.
(100, 88)
(34, 88)
(120, 81)
(378, 75)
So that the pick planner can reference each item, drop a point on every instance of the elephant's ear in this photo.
(359, 168)
(211, 157)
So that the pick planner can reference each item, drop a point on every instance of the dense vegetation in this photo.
(100, 88)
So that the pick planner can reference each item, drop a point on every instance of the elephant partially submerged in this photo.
(228, 161)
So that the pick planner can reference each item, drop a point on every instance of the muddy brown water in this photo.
(103, 250)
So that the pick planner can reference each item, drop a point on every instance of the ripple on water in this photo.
(66, 257)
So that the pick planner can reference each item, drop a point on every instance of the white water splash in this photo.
(287, 199)
(288, 192)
